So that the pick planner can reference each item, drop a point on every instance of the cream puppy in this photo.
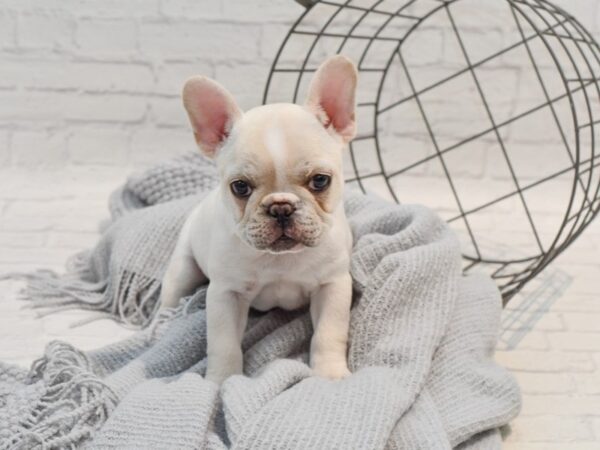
(274, 233)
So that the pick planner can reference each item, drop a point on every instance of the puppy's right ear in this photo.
(212, 112)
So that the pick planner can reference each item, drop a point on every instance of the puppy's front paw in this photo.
(334, 370)
(219, 372)
(215, 377)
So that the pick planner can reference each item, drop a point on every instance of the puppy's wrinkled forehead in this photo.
(280, 141)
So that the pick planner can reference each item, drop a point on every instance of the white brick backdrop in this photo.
(89, 90)
(87, 82)
(98, 82)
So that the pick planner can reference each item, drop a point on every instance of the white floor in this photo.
(551, 338)
(44, 218)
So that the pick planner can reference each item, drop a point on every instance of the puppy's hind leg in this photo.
(182, 277)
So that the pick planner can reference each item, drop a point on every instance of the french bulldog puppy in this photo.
(274, 233)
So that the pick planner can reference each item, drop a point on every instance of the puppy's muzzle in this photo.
(281, 211)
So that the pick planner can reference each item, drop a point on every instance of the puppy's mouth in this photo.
(285, 243)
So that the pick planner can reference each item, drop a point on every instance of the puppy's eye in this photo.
(319, 182)
(241, 188)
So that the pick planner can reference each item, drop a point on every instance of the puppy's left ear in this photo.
(331, 96)
(212, 112)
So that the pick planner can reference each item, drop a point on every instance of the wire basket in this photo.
(486, 111)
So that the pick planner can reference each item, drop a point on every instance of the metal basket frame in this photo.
(510, 274)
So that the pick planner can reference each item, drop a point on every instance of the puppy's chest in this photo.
(290, 289)
(280, 294)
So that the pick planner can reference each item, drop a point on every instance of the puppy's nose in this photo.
(282, 212)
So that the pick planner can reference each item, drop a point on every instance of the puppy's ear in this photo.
(331, 95)
(212, 112)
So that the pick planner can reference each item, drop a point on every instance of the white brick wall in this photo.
(92, 83)
(68, 65)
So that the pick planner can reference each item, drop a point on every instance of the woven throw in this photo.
(421, 345)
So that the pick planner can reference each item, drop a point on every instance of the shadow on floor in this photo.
(530, 305)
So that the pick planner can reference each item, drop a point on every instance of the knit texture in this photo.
(421, 345)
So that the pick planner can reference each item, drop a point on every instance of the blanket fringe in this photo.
(74, 404)
(131, 299)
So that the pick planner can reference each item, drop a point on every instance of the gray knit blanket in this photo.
(421, 345)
